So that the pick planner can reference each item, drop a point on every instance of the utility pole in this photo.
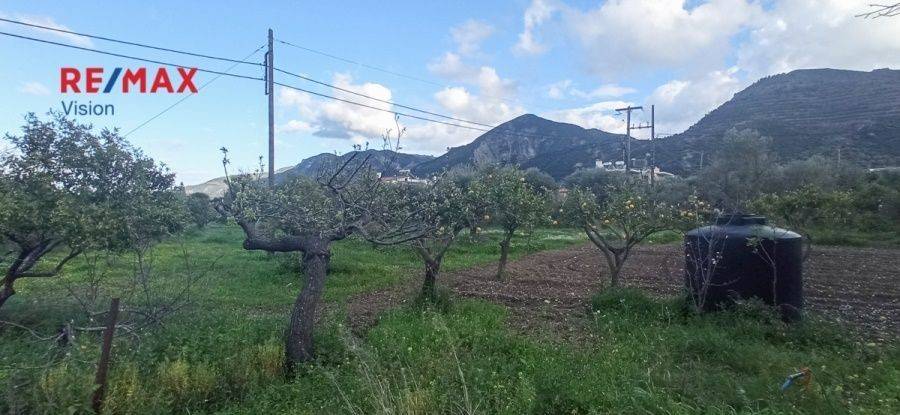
(270, 91)
(627, 111)
(652, 145)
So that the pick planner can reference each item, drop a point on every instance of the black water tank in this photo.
(741, 257)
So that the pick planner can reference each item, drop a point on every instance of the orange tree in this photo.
(512, 204)
(428, 217)
(65, 190)
(627, 215)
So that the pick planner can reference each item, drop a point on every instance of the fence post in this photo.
(103, 364)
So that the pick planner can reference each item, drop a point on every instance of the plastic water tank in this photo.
(741, 257)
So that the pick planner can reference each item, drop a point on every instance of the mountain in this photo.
(385, 161)
(531, 141)
(805, 112)
(388, 162)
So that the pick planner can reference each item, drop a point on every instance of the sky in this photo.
(488, 62)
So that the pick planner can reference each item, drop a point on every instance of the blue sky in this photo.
(571, 61)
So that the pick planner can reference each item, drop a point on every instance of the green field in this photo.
(223, 352)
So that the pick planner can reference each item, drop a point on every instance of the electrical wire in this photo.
(353, 62)
(129, 57)
(184, 98)
(387, 71)
(305, 78)
(225, 73)
(125, 42)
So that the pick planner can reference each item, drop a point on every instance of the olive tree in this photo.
(65, 189)
(624, 218)
(740, 170)
(512, 204)
(305, 215)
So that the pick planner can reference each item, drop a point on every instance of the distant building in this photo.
(640, 169)
(403, 176)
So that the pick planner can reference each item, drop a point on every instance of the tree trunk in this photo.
(615, 261)
(299, 347)
(432, 268)
(504, 254)
(7, 290)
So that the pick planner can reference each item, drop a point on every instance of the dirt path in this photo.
(550, 290)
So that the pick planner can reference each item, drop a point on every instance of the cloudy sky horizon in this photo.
(566, 60)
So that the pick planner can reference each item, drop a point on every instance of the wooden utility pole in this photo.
(105, 352)
(270, 91)
(627, 146)
(652, 145)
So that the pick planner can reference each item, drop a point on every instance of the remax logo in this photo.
(96, 80)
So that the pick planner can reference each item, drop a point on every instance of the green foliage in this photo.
(65, 188)
(540, 181)
(200, 208)
(806, 207)
(64, 182)
(597, 181)
(513, 204)
(739, 171)
(230, 331)
(627, 215)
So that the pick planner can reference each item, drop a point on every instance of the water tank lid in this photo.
(740, 219)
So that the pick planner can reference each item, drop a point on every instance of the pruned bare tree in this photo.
(877, 10)
(308, 215)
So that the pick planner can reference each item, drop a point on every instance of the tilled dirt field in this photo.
(551, 290)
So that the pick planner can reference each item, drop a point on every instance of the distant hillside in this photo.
(531, 141)
(385, 161)
(805, 112)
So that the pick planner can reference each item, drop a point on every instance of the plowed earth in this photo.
(550, 290)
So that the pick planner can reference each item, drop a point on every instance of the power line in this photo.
(184, 98)
(387, 71)
(235, 62)
(347, 101)
(305, 78)
(129, 57)
(353, 62)
(125, 42)
(225, 73)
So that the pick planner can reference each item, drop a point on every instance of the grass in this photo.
(223, 354)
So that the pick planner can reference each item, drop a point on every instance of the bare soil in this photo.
(550, 290)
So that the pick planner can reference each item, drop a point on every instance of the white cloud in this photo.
(459, 103)
(49, 22)
(621, 37)
(295, 126)
(469, 35)
(566, 88)
(680, 103)
(335, 119)
(34, 88)
(599, 115)
(536, 14)
(801, 34)
(559, 90)
(451, 66)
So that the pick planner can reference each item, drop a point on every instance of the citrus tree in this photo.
(803, 208)
(627, 215)
(65, 189)
(427, 217)
(512, 204)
